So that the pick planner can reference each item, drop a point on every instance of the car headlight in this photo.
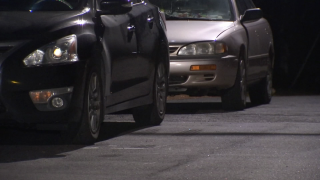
(63, 50)
(203, 48)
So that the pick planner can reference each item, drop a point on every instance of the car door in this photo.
(253, 28)
(148, 41)
(120, 35)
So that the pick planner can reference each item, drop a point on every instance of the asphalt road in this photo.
(197, 140)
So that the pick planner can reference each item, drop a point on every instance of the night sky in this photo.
(296, 28)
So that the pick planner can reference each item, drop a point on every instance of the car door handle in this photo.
(131, 28)
(150, 19)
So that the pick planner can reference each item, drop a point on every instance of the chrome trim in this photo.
(259, 56)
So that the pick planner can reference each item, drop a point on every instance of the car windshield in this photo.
(40, 5)
(195, 9)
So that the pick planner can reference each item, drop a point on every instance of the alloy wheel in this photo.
(161, 90)
(94, 101)
(269, 84)
(243, 82)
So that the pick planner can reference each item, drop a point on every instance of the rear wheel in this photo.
(235, 97)
(86, 131)
(153, 114)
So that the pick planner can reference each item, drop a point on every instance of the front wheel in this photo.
(153, 114)
(235, 97)
(86, 131)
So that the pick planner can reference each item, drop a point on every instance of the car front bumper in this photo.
(223, 77)
(17, 83)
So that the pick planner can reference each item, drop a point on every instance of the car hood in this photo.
(181, 32)
(17, 25)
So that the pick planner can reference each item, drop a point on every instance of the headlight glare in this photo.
(63, 50)
(203, 48)
(188, 50)
(34, 58)
(57, 52)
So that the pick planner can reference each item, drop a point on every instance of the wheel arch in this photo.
(271, 55)
(242, 49)
(243, 52)
(100, 56)
(163, 55)
(163, 52)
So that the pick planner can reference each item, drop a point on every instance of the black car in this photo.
(67, 63)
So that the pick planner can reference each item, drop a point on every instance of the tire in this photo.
(153, 114)
(235, 97)
(261, 93)
(86, 131)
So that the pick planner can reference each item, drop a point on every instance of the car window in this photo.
(40, 5)
(243, 5)
(195, 9)
(249, 4)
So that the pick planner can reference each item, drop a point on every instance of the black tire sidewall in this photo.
(149, 114)
(232, 98)
(84, 135)
(161, 116)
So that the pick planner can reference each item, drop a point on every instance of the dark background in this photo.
(296, 31)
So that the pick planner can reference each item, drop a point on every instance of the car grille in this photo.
(173, 49)
(178, 79)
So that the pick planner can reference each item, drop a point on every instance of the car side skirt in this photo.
(130, 104)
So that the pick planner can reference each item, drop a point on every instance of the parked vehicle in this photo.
(67, 63)
(222, 46)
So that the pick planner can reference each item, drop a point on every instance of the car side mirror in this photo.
(113, 7)
(251, 15)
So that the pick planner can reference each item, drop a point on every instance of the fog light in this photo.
(43, 96)
(57, 102)
(40, 96)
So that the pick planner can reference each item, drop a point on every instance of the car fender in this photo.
(236, 39)
(106, 64)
